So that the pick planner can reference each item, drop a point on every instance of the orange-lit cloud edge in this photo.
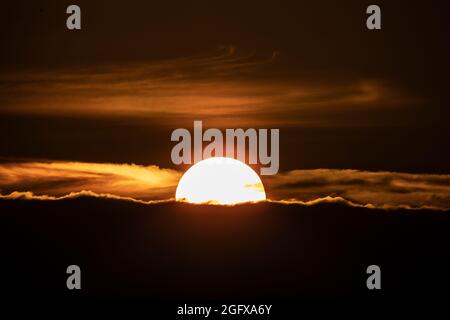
(62, 180)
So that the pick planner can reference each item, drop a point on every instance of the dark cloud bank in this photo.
(172, 251)
(146, 184)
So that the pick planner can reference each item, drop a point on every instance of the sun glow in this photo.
(220, 181)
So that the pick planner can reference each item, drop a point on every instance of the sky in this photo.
(362, 114)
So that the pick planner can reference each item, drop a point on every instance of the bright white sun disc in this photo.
(221, 181)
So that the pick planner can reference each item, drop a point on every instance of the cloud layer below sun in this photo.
(379, 189)
(60, 180)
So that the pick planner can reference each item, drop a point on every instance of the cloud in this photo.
(214, 87)
(378, 189)
(27, 195)
(16, 195)
(62, 178)
(147, 184)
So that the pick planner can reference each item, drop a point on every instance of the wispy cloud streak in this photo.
(215, 87)
(62, 178)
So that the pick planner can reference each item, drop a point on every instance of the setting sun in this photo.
(220, 181)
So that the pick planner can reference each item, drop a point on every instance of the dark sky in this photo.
(343, 96)
(366, 111)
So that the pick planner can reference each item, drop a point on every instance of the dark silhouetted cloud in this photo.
(380, 189)
(388, 190)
